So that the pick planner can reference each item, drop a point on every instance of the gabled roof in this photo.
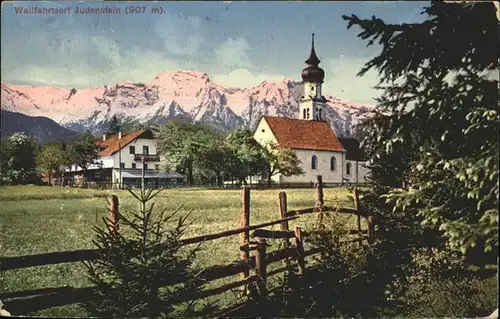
(112, 144)
(304, 134)
(354, 151)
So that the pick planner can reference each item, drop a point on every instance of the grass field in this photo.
(48, 219)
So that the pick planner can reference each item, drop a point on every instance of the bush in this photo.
(332, 285)
(442, 285)
(350, 280)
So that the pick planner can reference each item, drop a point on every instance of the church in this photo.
(321, 152)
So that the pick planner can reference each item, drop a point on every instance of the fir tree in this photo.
(137, 265)
(434, 155)
(114, 126)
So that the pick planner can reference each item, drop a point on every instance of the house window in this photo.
(134, 166)
(333, 163)
(145, 166)
(122, 165)
(348, 169)
(157, 167)
(145, 150)
(132, 149)
(314, 162)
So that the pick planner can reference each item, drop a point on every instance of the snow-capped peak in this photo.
(188, 94)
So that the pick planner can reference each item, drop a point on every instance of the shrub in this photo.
(440, 284)
(332, 285)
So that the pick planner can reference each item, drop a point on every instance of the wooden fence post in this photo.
(319, 198)
(300, 250)
(283, 211)
(355, 196)
(284, 227)
(261, 265)
(113, 212)
(371, 229)
(245, 222)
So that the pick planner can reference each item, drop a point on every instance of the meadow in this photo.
(49, 219)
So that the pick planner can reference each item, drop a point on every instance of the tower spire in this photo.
(313, 58)
(312, 102)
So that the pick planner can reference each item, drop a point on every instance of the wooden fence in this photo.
(114, 185)
(253, 254)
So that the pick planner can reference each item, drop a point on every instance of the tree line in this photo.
(205, 155)
(24, 160)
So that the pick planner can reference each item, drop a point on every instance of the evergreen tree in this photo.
(142, 269)
(433, 148)
(442, 101)
(114, 126)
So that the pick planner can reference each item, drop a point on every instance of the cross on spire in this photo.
(313, 58)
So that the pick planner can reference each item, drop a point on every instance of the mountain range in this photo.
(40, 127)
(188, 95)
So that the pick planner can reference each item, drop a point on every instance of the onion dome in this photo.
(313, 73)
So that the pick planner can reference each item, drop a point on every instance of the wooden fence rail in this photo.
(29, 301)
(34, 300)
(7, 263)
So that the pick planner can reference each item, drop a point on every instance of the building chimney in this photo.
(119, 135)
(104, 137)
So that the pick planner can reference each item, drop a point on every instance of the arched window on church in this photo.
(333, 163)
(348, 169)
(304, 115)
(314, 162)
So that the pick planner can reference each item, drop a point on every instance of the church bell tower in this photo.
(312, 102)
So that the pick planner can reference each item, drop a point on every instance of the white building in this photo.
(337, 160)
(120, 162)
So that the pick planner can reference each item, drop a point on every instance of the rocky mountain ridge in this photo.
(184, 94)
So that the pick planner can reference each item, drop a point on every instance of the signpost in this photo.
(120, 161)
(143, 173)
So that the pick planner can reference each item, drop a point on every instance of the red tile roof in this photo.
(304, 134)
(112, 145)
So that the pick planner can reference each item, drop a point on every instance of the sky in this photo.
(238, 44)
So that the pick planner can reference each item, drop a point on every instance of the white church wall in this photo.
(263, 133)
(351, 176)
(322, 167)
(358, 172)
(364, 172)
